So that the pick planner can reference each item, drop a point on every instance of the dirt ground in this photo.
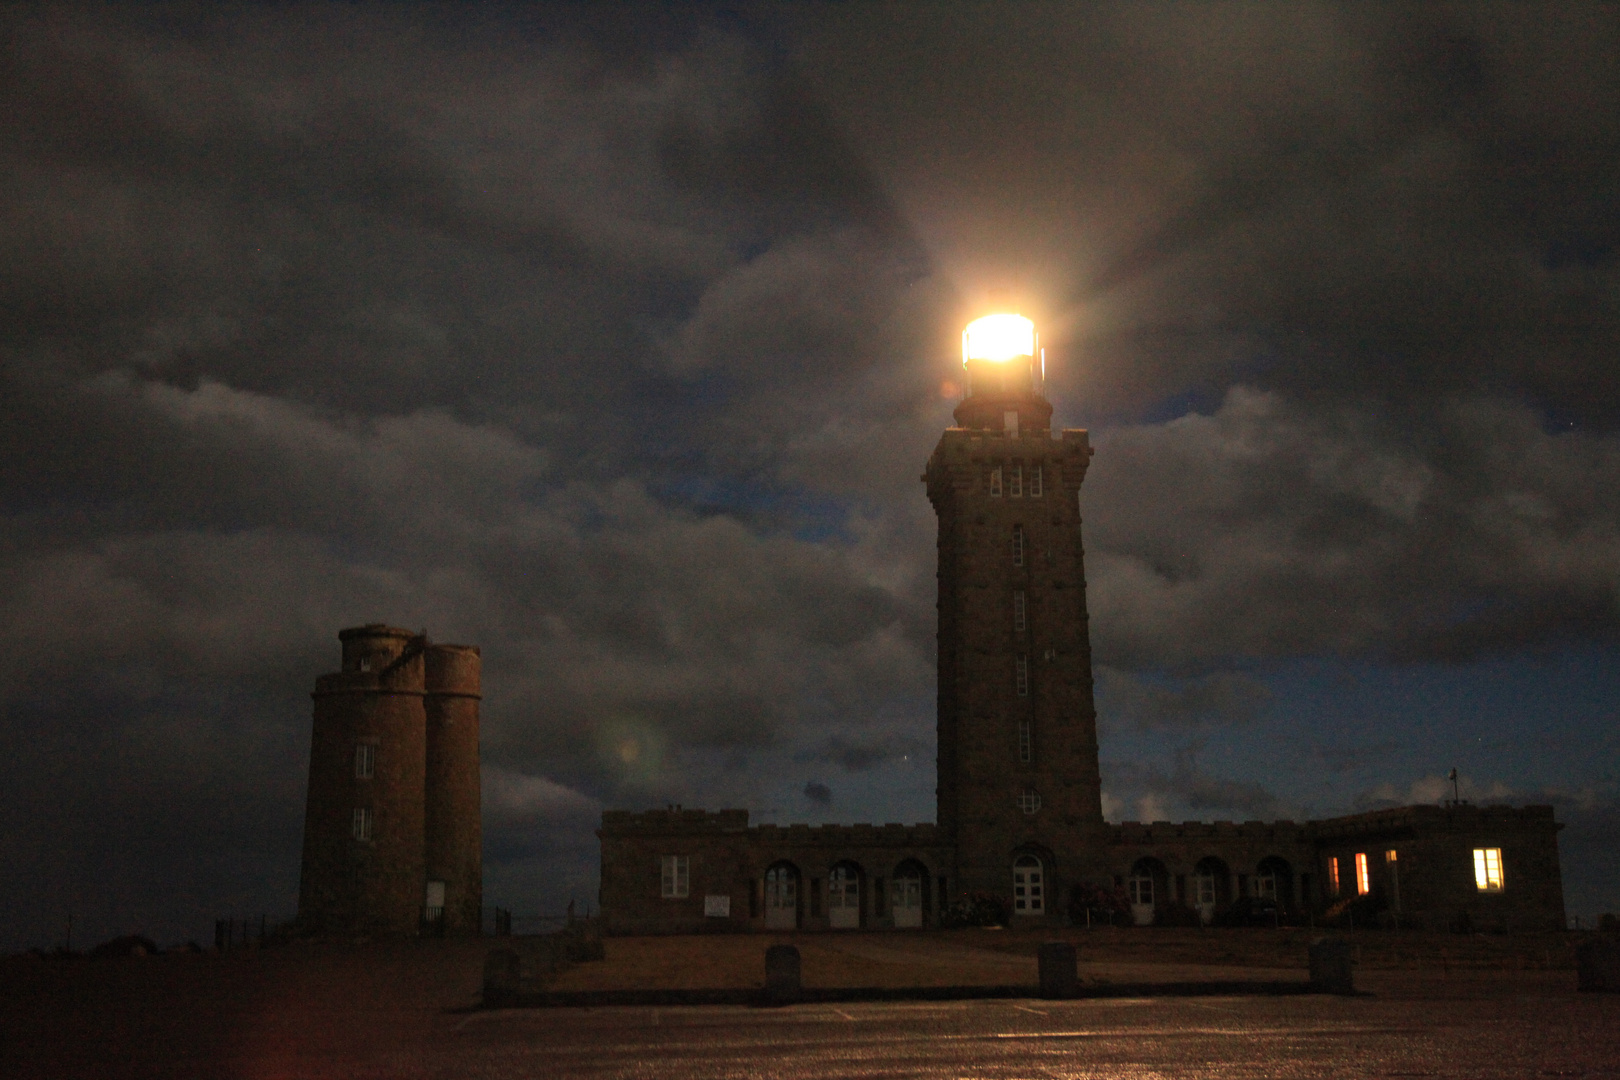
(1004, 957)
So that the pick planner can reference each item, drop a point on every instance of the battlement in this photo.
(1429, 817)
(673, 820)
(1137, 832)
(677, 821)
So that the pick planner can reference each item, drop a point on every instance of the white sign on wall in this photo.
(718, 907)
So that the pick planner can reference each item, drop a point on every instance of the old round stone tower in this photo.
(392, 828)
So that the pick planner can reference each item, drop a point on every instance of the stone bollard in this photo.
(782, 974)
(1059, 969)
(1330, 966)
(1597, 966)
(503, 978)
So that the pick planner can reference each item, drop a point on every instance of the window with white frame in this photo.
(1015, 482)
(1026, 742)
(677, 877)
(1029, 801)
(365, 761)
(1018, 545)
(1019, 612)
(995, 482)
(1488, 869)
(1035, 491)
(1023, 676)
(361, 827)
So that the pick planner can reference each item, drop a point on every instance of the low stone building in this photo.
(1019, 817)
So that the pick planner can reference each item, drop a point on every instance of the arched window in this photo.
(1029, 886)
(844, 897)
(782, 897)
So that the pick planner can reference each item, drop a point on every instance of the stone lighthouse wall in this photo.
(454, 829)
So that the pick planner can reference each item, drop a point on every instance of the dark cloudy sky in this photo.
(613, 340)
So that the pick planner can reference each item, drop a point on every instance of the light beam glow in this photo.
(998, 338)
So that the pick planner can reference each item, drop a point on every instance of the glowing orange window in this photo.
(1363, 878)
(1333, 876)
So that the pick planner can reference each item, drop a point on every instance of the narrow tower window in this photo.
(1488, 869)
(1023, 676)
(1026, 743)
(1363, 878)
(1333, 876)
(995, 482)
(1018, 545)
(1035, 490)
(362, 823)
(1015, 482)
(677, 876)
(1018, 612)
(365, 761)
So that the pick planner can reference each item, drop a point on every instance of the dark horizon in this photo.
(613, 342)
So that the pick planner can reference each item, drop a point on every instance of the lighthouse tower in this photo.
(1019, 786)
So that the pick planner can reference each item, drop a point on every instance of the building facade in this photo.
(392, 828)
(1019, 816)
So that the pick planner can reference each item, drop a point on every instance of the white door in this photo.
(905, 901)
(781, 898)
(843, 899)
(1029, 890)
(1205, 884)
(1141, 893)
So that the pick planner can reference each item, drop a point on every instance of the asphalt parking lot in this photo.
(410, 1010)
(1533, 1034)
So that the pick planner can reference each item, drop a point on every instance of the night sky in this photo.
(614, 340)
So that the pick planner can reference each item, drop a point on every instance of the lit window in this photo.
(1018, 545)
(1023, 676)
(1333, 877)
(995, 482)
(677, 877)
(1488, 869)
(1018, 612)
(365, 761)
(362, 823)
(1363, 878)
(1026, 743)
(1015, 482)
(1035, 482)
(1029, 802)
(1389, 856)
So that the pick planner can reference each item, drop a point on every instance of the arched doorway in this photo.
(1148, 888)
(844, 897)
(906, 894)
(782, 897)
(1212, 887)
(1029, 886)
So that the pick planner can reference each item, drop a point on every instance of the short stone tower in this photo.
(1019, 786)
(392, 832)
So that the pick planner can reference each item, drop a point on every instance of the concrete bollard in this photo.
(1597, 966)
(782, 983)
(503, 977)
(1059, 969)
(1331, 969)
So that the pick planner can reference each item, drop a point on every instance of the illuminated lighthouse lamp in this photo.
(998, 338)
